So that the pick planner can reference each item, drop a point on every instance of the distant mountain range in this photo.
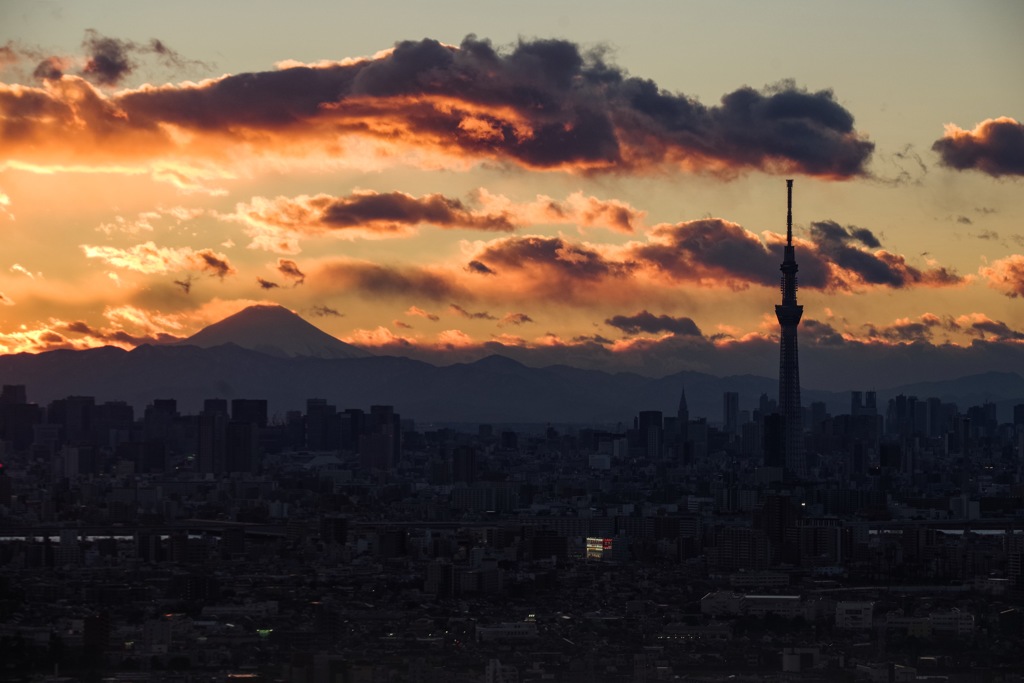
(269, 352)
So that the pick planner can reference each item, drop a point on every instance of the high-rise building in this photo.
(731, 412)
(649, 433)
(789, 313)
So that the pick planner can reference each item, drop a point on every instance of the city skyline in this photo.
(558, 187)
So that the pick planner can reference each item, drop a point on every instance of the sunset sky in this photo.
(599, 184)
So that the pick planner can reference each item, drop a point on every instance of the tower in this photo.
(789, 313)
(683, 422)
(731, 412)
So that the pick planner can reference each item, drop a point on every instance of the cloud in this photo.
(653, 324)
(106, 61)
(480, 315)
(276, 224)
(576, 209)
(854, 265)
(321, 311)
(18, 268)
(475, 266)
(514, 319)
(372, 279)
(1006, 275)
(541, 104)
(216, 264)
(985, 328)
(995, 147)
(709, 252)
(266, 284)
(150, 259)
(908, 330)
(290, 269)
(417, 311)
(185, 283)
(5, 300)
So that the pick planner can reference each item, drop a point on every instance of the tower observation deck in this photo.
(789, 313)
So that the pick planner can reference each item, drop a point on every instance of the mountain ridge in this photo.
(256, 358)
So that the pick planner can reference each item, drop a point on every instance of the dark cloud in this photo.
(388, 281)
(185, 284)
(392, 210)
(214, 263)
(290, 269)
(50, 68)
(993, 330)
(321, 311)
(514, 319)
(109, 59)
(120, 336)
(541, 104)
(836, 245)
(81, 327)
(479, 315)
(716, 250)
(267, 284)
(964, 220)
(593, 339)
(645, 321)
(559, 257)
(820, 333)
(711, 252)
(478, 267)
(402, 325)
(995, 147)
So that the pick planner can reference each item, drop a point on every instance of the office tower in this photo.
(649, 433)
(211, 444)
(683, 417)
(856, 403)
(252, 410)
(731, 412)
(871, 403)
(789, 313)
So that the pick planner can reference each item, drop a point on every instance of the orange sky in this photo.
(559, 194)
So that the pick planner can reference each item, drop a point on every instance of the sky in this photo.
(580, 183)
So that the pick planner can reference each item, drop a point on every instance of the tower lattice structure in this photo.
(789, 313)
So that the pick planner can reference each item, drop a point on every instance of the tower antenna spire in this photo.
(789, 212)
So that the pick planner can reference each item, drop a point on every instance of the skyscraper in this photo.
(731, 412)
(789, 313)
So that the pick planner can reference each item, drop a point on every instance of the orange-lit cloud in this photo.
(150, 259)
(985, 328)
(419, 312)
(707, 252)
(1006, 275)
(995, 147)
(278, 224)
(543, 104)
